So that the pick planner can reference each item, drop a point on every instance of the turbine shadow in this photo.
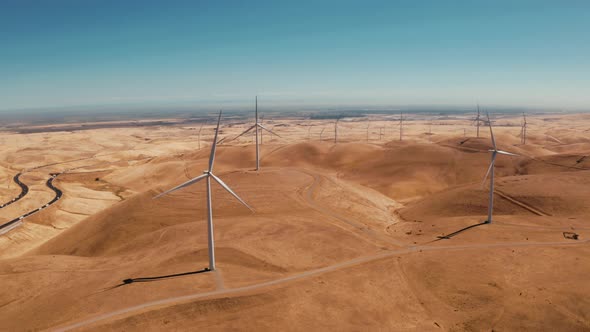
(449, 236)
(156, 278)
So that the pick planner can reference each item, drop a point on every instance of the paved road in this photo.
(23, 191)
(8, 226)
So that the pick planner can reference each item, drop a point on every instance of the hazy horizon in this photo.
(284, 105)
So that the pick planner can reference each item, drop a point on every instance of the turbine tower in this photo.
(523, 130)
(208, 174)
(200, 128)
(336, 130)
(258, 127)
(477, 120)
(401, 124)
(490, 171)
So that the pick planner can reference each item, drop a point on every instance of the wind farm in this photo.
(294, 166)
(328, 213)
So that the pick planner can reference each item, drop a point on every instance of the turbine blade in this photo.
(214, 145)
(491, 132)
(180, 186)
(226, 187)
(270, 131)
(483, 183)
(506, 153)
(243, 133)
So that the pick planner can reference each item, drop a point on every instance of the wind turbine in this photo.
(200, 128)
(401, 124)
(208, 174)
(523, 130)
(258, 127)
(477, 120)
(336, 130)
(490, 172)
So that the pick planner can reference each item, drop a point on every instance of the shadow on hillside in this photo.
(449, 236)
(156, 278)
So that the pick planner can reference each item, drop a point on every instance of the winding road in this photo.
(23, 191)
(10, 225)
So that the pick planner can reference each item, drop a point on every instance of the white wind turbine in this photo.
(477, 120)
(200, 128)
(208, 174)
(490, 172)
(401, 125)
(258, 127)
(523, 130)
(336, 130)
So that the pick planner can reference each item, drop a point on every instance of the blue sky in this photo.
(57, 53)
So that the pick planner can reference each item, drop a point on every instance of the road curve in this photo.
(346, 264)
(8, 226)
(307, 274)
(23, 191)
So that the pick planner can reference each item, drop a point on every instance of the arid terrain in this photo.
(350, 235)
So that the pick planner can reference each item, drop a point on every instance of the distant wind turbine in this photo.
(478, 120)
(401, 125)
(258, 127)
(491, 169)
(523, 130)
(336, 130)
(200, 128)
(208, 174)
